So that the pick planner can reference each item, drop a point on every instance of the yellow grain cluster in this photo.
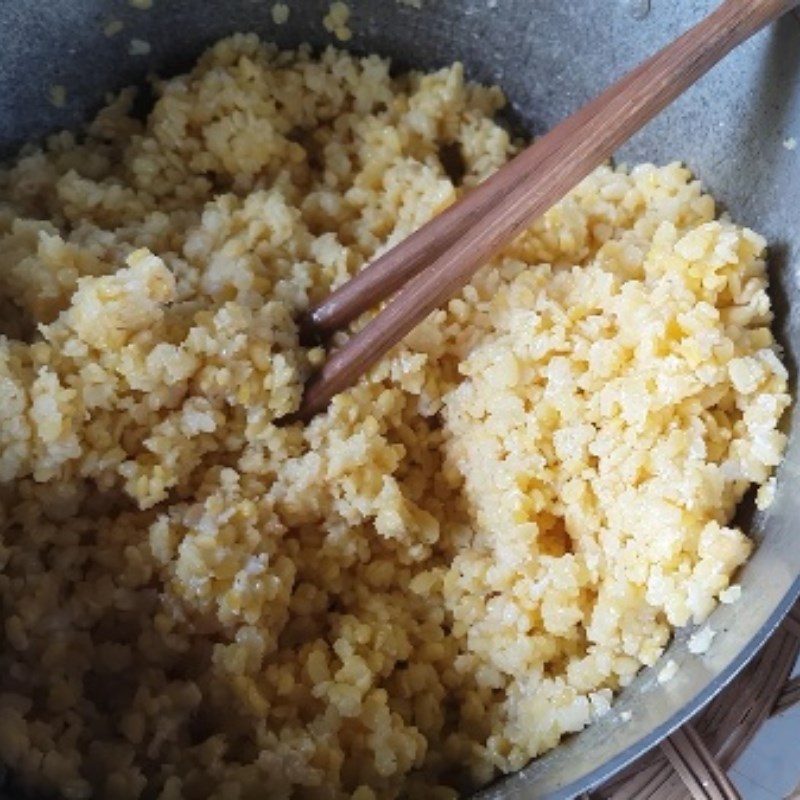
(335, 21)
(433, 581)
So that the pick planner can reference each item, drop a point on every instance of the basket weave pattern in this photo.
(693, 761)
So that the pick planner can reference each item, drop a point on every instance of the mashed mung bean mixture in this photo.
(433, 581)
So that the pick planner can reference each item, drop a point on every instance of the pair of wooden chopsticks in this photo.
(431, 265)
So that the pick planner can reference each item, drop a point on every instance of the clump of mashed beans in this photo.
(456, 564)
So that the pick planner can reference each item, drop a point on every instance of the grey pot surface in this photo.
(549, 56)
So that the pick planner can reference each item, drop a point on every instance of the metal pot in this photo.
(549, 56)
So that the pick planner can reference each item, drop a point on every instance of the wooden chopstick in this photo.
(444, 254)
(393, 269)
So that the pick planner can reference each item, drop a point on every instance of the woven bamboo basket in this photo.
(693, 762)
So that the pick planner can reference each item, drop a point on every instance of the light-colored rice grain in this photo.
(280, 13)
(335, 21)
(113, 27)
(139, 47)
(58, 95)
